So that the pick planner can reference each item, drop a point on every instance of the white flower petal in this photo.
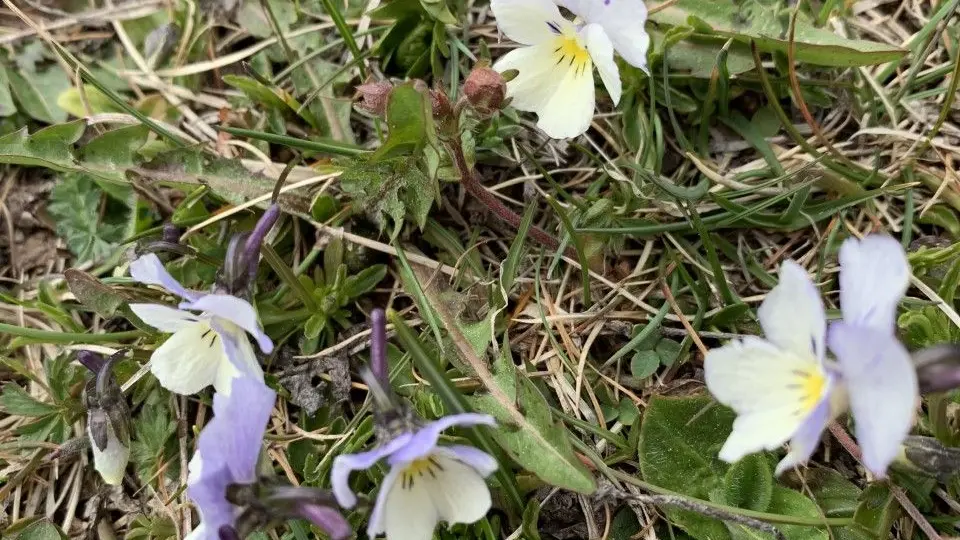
(874, 275)
(792, 314)
(535, 84)
(111, 462)
(189, 360)
(378, 522)
(525, 21)
(601, 52)
(459, 492)
(570, 110)
(233, 310)
(771, 390)
(408, 510)
(622, 20)
(163, 318)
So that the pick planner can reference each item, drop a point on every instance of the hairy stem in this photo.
(472, 184)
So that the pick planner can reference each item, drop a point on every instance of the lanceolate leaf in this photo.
(114, 155)
(768, 25)
(540, 444)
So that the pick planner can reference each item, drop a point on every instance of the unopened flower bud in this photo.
(373, 97)
(938, 368)
(108, 418)
(932, 457)
(171, 233)
(239, 269)
(328, 519)
(485, 90)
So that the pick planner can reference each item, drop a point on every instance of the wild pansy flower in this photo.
(209, 343)
(108, 418)
(223, 481)
(556, 66)
(785, 388)
(427, 483)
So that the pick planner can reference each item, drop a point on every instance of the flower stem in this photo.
(378, 347)
(47, 336)
(471, 183)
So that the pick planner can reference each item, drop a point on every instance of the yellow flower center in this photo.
(569, 49)
(418, 469)
(811, 385)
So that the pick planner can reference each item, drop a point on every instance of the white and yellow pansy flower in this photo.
(783, 388)
(209, 344)
(555, 67)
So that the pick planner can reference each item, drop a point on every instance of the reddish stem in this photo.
(473, 186)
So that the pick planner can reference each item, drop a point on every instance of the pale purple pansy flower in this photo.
(784, 388)
(227, 453)
(209, 347)
(555, 67)
(427, 483)
(223, 481)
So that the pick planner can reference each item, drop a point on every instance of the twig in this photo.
(687, 504)
(851, 447)
(132, 10)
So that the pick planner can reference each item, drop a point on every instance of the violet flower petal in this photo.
(149, 270)
(344, 464)
(874, 275)
(328, 519)
(807, 437)
(425, 439)
(228, 449)
(241, 360)
(882, 384)
(235, 310)
(209, 497)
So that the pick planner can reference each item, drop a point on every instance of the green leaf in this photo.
(92, 293)
(668, 350)
(531, 516)
(152, 441)
(7, 106)
(75, 204)
(679, 442)
(767, 25)
(835, 495)
(644, 364)
(15, 401)
(749, 483)
(785, 502)
(391, 188)
(227, 177)
(41, 530)
(697, 55)
(364, 281)
(541, 445)
(877, 510)
(37, 93)
(409, 116)
(252, 17)
(71, 101)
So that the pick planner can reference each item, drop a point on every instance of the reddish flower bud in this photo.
(373, 97)
(485, 90)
